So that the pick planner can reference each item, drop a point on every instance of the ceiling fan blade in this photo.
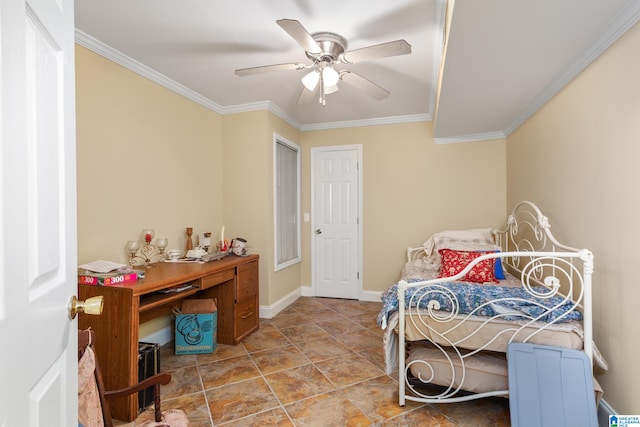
(307, 95)
(383, 50)
(269, 68)
(300, 35)
(363, 84)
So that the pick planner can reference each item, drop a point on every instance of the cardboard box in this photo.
(196, 327)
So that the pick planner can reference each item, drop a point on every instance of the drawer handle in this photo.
(247, 315)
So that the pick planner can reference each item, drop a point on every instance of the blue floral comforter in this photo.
(509, 303)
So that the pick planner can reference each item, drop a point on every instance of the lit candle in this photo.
(222, 239)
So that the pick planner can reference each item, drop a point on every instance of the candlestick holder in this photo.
(189, 239)
(147, 253)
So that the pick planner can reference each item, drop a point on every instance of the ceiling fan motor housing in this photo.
(332, 45)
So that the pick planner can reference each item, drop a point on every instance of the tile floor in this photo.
(317, 363)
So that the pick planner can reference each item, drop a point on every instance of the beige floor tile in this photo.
(221, 352)
(273, 418)
(278, 359)
(227, 371)
(292, 318)
(348, 369)
(377, 398)
(323, 349)
(170, 361)
(479, 413)
(307, 332)
(317, 363)
(420, 417)
(264, 339)
(331, 409)
(238, 400)
(374, 355)
(367, 319)
(299, 383)
(360, 339)
(183, 381)
(320, 314)
(306, 302)
(195, 407)
(339, 325)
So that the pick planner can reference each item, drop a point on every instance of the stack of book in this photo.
(107, 273)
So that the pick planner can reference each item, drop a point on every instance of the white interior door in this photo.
(38, 366)
(336, 221)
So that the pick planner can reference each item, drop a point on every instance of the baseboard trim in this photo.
(268, 312)
(162, 336)
(307, 291)
(604, 410)
(373, 296)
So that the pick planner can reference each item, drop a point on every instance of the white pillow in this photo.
(444, 239)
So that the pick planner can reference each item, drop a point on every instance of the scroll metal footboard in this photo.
(555, 282)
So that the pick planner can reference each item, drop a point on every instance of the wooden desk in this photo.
(232, 281)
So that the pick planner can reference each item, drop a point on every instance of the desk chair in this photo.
(93, 405)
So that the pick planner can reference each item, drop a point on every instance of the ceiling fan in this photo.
(325, 50)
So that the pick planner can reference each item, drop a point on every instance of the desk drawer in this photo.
(217, 278)
(247, 281)
(246, 317)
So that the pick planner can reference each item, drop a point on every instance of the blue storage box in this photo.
(550, 386)
(195, 330)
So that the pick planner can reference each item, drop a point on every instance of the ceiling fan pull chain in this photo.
(322, 101)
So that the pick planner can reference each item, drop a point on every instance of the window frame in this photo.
(296, 226)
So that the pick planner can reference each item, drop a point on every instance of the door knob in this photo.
(92, 305)
(318, 231)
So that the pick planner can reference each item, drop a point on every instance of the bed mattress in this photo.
(472, 332)
(484, 372)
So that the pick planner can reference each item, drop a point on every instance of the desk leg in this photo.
(224, 294)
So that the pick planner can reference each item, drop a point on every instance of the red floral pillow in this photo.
(453, 262)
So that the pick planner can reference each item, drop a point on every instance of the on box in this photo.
(196, 327)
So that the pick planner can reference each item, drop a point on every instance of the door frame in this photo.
(314, 150)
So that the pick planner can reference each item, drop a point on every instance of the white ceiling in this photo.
(504, 58)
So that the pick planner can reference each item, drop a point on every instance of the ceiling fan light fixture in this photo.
(310, 80)
(325, 49)
(330, 76)
(330, 89)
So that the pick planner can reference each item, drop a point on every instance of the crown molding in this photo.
(622, 22)
(118, 57)
(485, 136)
(368, 122)
(263, 105)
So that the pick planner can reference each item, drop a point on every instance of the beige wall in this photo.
(248, 194)
(141, 148)
(412, 188)
(578, 159)
(146, 158)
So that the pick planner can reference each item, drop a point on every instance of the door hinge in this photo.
(358, 275)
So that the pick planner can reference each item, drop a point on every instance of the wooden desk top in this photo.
(165, 274)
